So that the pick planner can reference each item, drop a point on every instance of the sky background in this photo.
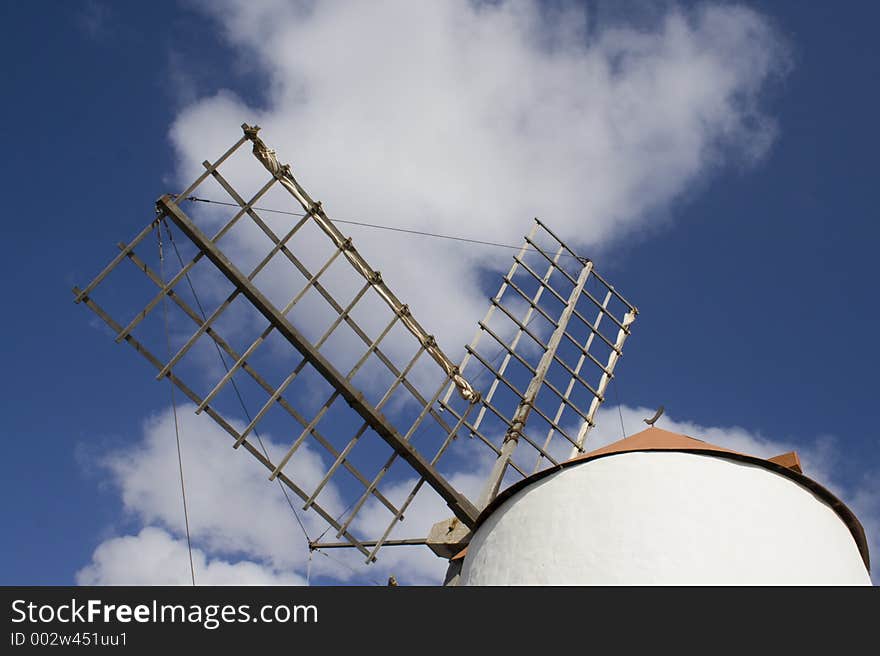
(730, 195)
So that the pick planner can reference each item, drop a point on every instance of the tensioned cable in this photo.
(235, 387)
(192, 569)
(338, 519)
(363, 224)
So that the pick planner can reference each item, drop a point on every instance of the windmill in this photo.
(350, 379)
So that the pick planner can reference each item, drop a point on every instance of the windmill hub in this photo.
(449, 537)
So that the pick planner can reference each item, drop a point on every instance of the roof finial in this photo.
(657, 415)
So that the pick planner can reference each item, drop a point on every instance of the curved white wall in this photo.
(663, 518)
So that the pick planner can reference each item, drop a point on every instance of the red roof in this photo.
(657, 439)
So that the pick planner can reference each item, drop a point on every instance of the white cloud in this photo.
(153, 557)
(243, 528)
(233, 508)
(471, 118)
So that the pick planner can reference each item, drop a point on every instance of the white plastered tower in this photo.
(661, 508)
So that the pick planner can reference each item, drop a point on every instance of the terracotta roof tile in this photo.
(654, 439)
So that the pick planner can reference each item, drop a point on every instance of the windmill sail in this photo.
(370, 406)
(549, 347)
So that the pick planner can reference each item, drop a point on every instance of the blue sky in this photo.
(755, 279)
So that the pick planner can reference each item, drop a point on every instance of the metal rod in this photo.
(585, 352)
(522, 327)
(196, 335)
(589, 325)
(564, 399)
(571, 372)
(538, 308)
(342, 245)
(555, 264)
(409, 542)
(611, 289)
(273, 398)
(583, 260)
(544, 282)
(604, 309)
(366, 494)
(504, 346)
